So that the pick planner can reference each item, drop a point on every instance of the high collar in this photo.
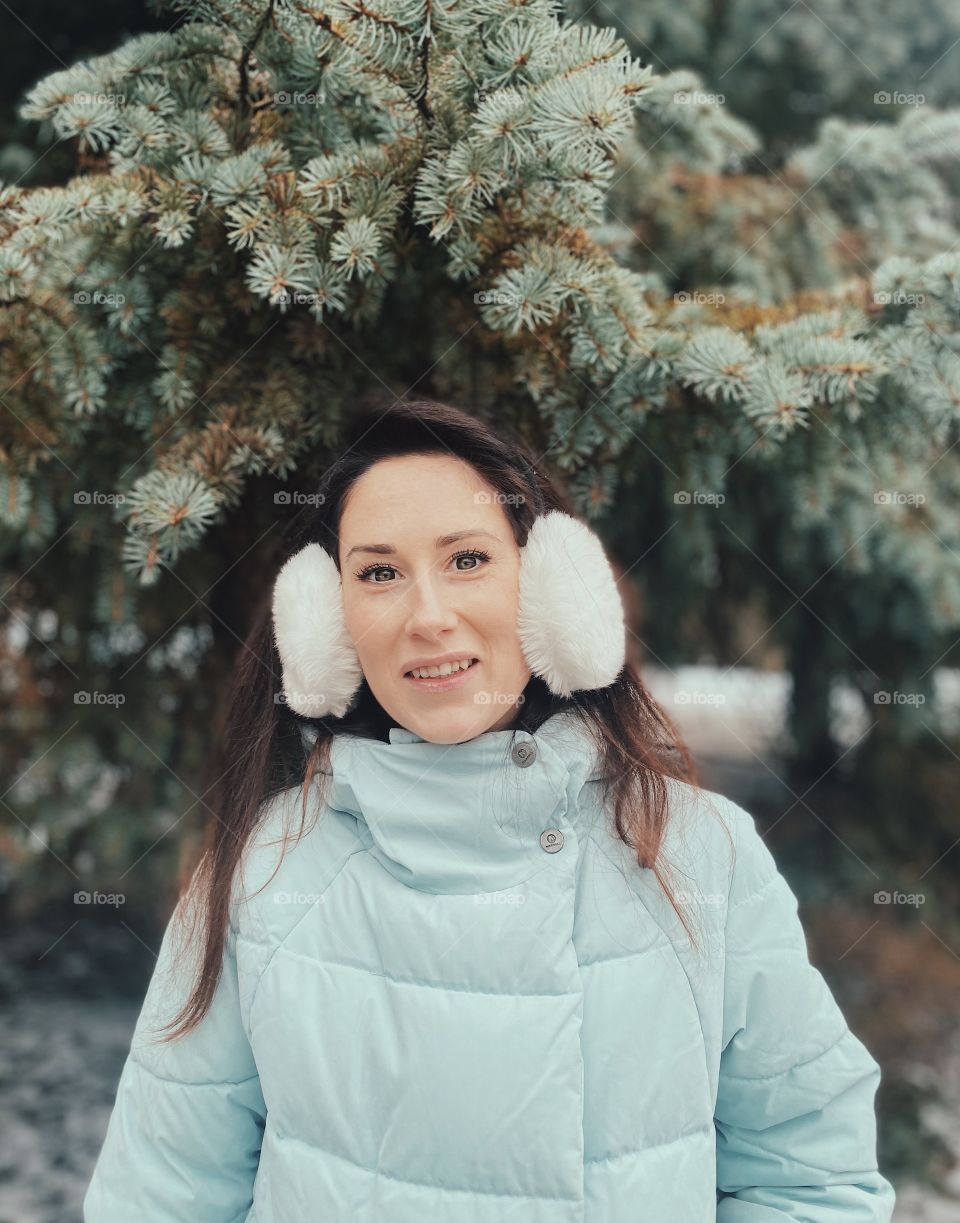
(463, 817)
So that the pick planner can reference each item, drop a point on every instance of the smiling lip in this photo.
(436, 661)
(443, 683)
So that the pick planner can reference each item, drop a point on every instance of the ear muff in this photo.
(321, 668)
(570, 619)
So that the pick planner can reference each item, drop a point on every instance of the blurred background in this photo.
(752, 390)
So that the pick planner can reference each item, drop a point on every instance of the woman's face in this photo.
(417, 600)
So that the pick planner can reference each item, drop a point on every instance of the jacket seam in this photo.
(415, 981)
(630, 955)
(667, 1142)
(802, 1163)
(762, 1078)
(500, 1193)
(189, 1082)
(753, 895)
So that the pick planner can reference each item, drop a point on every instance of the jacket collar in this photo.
(463, 817)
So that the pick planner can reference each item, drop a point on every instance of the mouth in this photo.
(442, 683)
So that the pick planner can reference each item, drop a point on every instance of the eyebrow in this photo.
(440, 542)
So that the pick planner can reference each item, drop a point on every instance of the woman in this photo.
(468, 987)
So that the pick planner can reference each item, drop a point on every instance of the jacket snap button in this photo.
(551, 840)
(524, 754)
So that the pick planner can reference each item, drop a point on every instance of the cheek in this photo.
(367, 625)
(499, 623)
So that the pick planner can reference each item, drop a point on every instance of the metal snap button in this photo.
(524, 754)
(551, 840)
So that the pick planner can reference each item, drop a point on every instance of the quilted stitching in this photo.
(413, 1022)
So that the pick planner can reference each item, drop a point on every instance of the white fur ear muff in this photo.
(570, 620)
(321, 669)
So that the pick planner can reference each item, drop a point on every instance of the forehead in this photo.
(419, 496)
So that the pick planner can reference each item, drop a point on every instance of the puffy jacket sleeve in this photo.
(795, 1120)
(183, 1139)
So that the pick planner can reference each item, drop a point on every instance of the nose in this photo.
(430, 605)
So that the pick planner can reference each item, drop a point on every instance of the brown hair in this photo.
(261, 748)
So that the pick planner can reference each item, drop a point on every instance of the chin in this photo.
(456, 725)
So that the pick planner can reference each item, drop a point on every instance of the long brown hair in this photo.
(262, 750)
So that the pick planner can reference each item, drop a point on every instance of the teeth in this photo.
(446, 668)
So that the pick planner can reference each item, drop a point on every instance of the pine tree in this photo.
(281, 205)
(785, 67)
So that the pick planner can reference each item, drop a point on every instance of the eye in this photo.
(484, 556)
(364, 574)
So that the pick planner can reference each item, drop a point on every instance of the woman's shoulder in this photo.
(289, 860)
(717, 841)
(711, 860)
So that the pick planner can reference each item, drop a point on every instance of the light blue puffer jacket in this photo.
(460, 999)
